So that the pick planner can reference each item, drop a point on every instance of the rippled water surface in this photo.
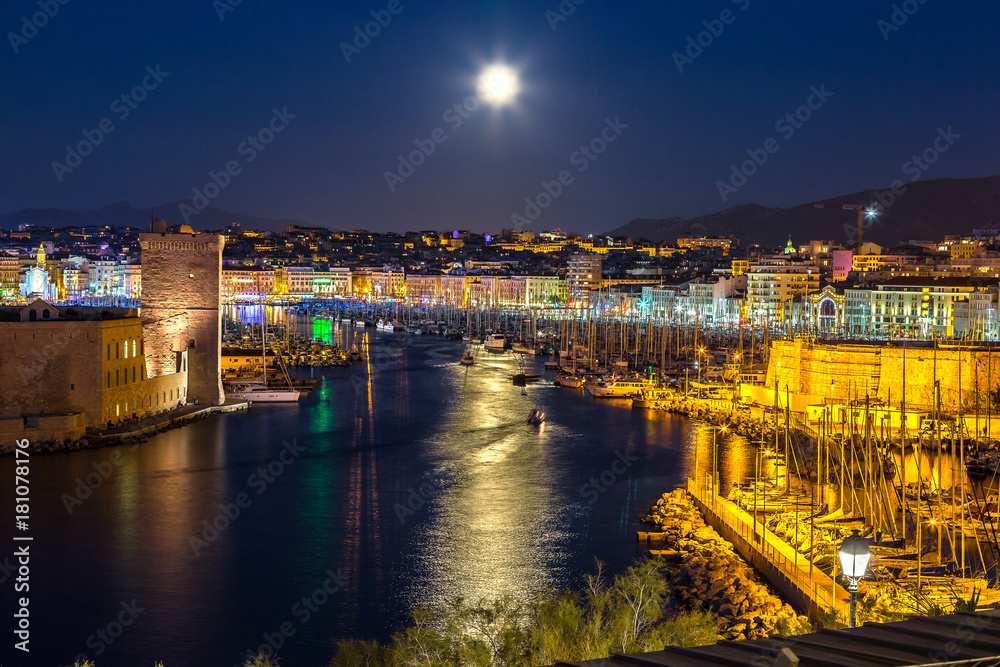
(417, 480)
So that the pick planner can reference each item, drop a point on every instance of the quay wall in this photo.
(843, 371)
(813, 592)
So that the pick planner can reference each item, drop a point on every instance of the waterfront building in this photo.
(9, 275)
(293, 281)
(361, 282)
(710, 300)
(247, 283)
(907, 308)
(772, 284)
(390, 283)
(335, 281)
(976, 318)
(544, 291)
(453, 289)
(421, 288)
(481, 291)
(583, 276)
(510, 291)
(131, 287)
(36, 284)
(65, 370)
(663, 301)
(825, 311)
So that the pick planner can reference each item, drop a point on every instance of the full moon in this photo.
(498, 85)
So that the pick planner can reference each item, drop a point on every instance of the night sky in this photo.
(222, 69)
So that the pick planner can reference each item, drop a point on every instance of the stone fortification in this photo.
(181, 287)
(841, 371)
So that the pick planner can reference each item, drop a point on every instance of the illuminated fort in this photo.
(66, 370)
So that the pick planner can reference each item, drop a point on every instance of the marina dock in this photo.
(808, 588)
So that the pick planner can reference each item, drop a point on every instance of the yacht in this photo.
(647, 398)
(263, 394)
(569, 380)
(619, 388)
(385, 325)
(495, 343)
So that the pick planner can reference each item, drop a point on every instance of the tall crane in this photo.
(863, 212)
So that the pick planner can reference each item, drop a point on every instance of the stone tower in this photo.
(181, 290)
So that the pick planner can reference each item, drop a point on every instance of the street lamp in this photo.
(701, 351)
(854, 555)
(715, 463)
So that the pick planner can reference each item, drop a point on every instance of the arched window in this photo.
(45, 314)
(133, 347)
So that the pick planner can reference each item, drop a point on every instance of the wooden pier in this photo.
(806, 587)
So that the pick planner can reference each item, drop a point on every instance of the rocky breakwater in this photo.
(710, 575)
(737, 421)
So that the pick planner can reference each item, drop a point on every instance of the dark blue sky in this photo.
(606, 60)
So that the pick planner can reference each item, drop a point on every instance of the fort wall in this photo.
(181, 292)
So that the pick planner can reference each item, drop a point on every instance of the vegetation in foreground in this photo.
(629, 614)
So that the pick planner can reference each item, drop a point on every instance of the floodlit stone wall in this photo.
(842, 371)
(181, 291)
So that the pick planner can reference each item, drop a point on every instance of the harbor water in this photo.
(400, 482)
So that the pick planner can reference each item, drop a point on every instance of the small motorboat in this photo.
(536, 417)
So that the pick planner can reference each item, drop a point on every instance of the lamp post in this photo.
(854, 554)
(715, 463)
(697, 364)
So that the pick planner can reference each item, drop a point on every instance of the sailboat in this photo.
(261, 392)
(468, 358)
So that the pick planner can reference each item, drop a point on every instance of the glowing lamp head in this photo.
(498, 85)
(854, 555)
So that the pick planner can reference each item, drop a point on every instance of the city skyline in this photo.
(302, 115)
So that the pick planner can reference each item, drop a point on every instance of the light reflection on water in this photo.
(512, 508)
